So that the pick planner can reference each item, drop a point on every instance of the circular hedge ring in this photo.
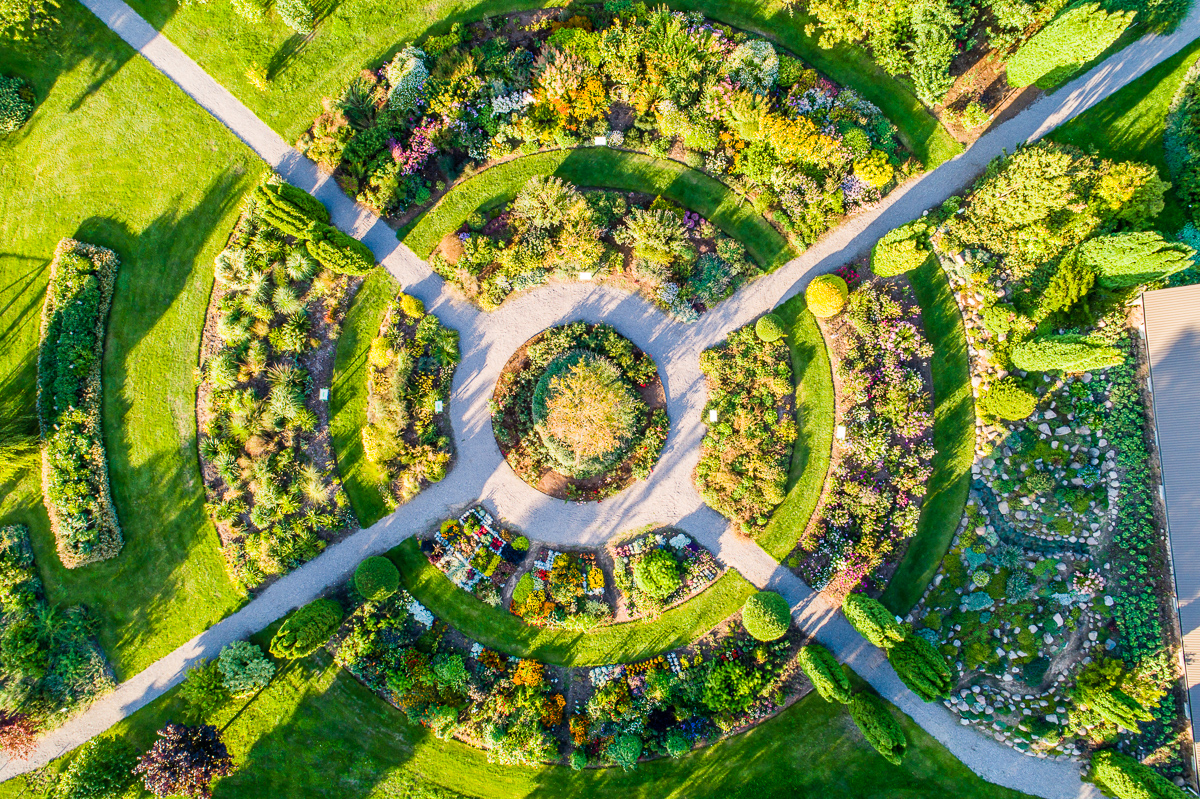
(766, 615)
(580, 412)
(826, 296)
(376, 578)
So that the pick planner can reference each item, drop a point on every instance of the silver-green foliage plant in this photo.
(297, 15)
(1065, 353)
(407, 75)
(1069, 41)
(1134, 259)
(244, 668)
(16, 103)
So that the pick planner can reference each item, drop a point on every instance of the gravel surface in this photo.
(667, 496)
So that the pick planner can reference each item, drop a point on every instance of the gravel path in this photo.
(668, 496)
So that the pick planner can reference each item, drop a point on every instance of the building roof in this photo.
(1173, 337)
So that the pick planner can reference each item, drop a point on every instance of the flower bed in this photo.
(659, 569)
(53, 667)
(563, 590)
(476, 553)
(579, 412)
(74, 465)
(802, 149)
(554, 230)
(884, 447)
(267, 361)
(747, 449)
(1055, 595)
(408, 435)
(523, 712)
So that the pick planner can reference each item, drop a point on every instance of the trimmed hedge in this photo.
(879, 727)
(298, 214)
(766, 616)
(872, 620)
(1067, 353)
(1125, 778)
(308, 628)
(75, 484)
(826, 296)
(376, 578)
(825, 673)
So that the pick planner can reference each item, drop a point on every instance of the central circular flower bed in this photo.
(579, 412)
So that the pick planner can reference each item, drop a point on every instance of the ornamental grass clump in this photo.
(766, 615)
(826, 296)
(75, 484)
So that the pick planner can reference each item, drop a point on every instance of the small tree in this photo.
(825, 673)
(872, 620)
(878, 726)
(657, 573)
(1066, 353)
(766, 615)
(307, 629)
(244, 668)
(1134, 259)
(102, 768)
(1126, 778)
(921, 667)
(376, 578)
(204, 690)
(184, 761)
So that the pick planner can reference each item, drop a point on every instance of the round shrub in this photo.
(901, 250)
(657, 573)
(520, 544)
(826, 296)
(307, 629)
(376, 578)
(16, 104)
(244, 668)
(578, 757)
(1008, 399)
(413, 308)
(766, 615)
(770, 328)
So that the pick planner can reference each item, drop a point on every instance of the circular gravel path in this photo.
(668, 496)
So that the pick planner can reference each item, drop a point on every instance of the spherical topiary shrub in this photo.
(376, 578)
(826, 296)
(306, 630)
(1008, 399)
(766, 615)
(770, 328)
(657, 573)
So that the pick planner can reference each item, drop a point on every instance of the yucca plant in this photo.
(254, 361)
(285, 402)
(312, 484)
(286, 374)
(223, 369)
(233, 328)
(300, 265)
(358, 103)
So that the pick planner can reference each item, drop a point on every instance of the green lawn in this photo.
(614, 643)
(316, 732)
(814, 423)
(604, 168)
(348, 398)
(1129, 125)
(118, 156)
(953, 439)
(356, 34)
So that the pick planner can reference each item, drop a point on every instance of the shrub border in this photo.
(602, 167)
(106, 263)
(498, 629)
(953, 439)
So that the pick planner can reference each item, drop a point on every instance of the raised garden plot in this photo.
(410, 368)
(267, 361)
(399, 137)
(562, 589)
(476, 553)
(883, 446)
(579, 412)
(553, 230)
(658, 569)
(74, 465)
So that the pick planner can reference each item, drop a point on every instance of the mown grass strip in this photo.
(953, 439)
(814, 429)
(603, 167)
(498, 629)
(348, 397)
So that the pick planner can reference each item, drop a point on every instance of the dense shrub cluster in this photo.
(410, 370)
(50, 663)
(747, 450)
(873, 501)
(309, 627)
(918, 665)
(102, 769)
(573, 407)
(1069, 41)
(74, 466)
(552, 228)
(803, 150)
(274, 316)
(1182, 141)
(1121, 776)
(16, 101)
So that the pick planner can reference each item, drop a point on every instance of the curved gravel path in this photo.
(668, 496)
